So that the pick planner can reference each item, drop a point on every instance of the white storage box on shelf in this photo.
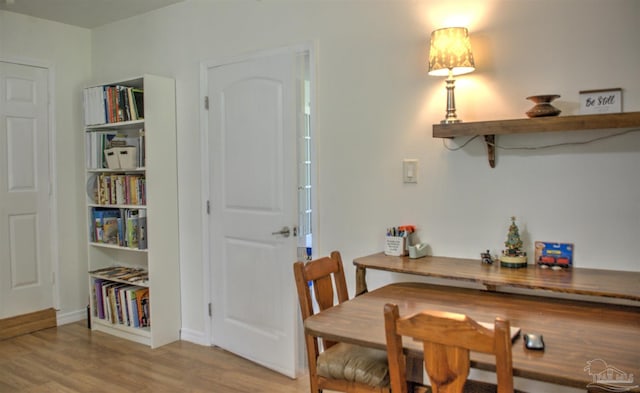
(121, 157)
(127, 157)
(112, 158)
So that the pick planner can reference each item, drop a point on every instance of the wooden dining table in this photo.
(581, 337)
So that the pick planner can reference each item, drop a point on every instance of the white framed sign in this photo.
(600, 101)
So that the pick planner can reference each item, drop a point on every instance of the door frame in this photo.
(53, 183)
(310, 48)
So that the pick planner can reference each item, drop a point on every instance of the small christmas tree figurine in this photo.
(513, 242)
(513, 256)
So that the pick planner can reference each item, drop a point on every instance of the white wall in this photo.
(376, 105)
(66, 49)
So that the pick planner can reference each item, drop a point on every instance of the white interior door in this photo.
(25, 262)
(252, 151)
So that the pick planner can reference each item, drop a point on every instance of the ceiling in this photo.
(84, 13)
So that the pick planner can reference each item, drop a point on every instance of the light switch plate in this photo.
(410, 170)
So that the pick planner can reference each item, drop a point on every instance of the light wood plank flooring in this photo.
(71, 358)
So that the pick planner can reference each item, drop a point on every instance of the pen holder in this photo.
(397, 245)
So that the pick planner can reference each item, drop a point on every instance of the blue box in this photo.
(554, 254)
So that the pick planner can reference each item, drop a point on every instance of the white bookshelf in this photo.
(160, 205)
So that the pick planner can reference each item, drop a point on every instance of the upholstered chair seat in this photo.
(354, 363)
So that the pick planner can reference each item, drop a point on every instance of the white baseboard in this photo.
(190, 335)
(70, 317)
(194, 336)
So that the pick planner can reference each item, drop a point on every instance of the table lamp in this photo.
(449, 55)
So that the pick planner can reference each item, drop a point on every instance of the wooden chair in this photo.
(447, 339)
(340, 366)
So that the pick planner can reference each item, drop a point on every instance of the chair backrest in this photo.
(326, 276)
(447, 339)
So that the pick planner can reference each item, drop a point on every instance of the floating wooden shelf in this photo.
(489, 129)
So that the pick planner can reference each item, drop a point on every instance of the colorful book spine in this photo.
(98, 302)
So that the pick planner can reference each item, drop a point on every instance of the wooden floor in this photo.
(71, 358)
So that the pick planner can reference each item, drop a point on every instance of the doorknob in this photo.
(284, 232)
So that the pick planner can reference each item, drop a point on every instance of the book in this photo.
(146, 316)
(121, 304)
(99, 216)
(138, 96)
(110, 230)
(111, 302)
(110, 104)
(128, 293)
(121, 189)
(94, 105)
(142, 301)
(141, 148)
(133, 302)
(117, 293)
(116, 304)
(123, 104)
(104, 192)
(107, 290)
(132, 228)
(132, 185)
(133, 114)
(99, 306)
(125, 304)
(142, 229)
(120, 231)
(112, 189)
(135, 190)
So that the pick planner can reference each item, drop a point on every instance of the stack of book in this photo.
(112, 104)
(121, 189)
(132, 275)
(124, 302)
(120, 227)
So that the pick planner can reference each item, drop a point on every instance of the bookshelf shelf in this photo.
(115, 126)
(107, 170)
(116, 206)
(137, 284)
(144, 332)
(116, 247)
(139, 335)
(120, 197)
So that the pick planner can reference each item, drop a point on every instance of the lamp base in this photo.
(450, 121)
(451, 117)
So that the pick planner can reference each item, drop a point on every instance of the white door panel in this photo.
(252, 138)
(25, 263)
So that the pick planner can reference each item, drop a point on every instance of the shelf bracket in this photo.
(490, 140)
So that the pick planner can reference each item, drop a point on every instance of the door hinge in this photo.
(210, 310)
(208, 208)
(206, 102)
